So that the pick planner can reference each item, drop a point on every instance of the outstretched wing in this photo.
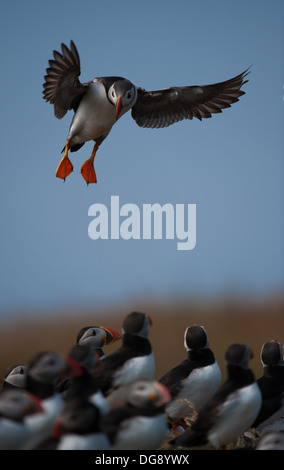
(62, 87)
(162, 108)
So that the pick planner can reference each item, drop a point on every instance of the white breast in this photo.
(236, 415)
(40, 425)
(94, 117)
(12, 434)
(201, 384)
(96, 441)
(137, 368)
(142, 432)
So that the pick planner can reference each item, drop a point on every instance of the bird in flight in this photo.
(99, 103)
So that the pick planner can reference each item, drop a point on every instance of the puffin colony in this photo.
(158, 222)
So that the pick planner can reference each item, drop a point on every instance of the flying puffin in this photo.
(231, 410)
(99, 103)
(193, 381)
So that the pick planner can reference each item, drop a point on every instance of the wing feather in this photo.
(161, 108)
(62, 87)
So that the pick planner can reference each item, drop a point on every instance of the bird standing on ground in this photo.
(141, 422)
(78, 427)
(271, 384)
(44, 368)
(15, 405)
(193, 381)
(83, 385)
(231, 410)
(132, 361)
(99, 103)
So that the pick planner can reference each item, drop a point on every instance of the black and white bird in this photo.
(15, 376)
(97, 337)
(133, 360)
(78, 427)
(15, 405)
(83, 385)
(271, 385)
(99, 103)
(44, 368)
(231, 410)
(192, 382)
(141, 422)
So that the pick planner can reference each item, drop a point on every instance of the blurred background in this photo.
(54, 278)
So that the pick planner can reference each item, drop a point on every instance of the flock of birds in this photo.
(93, 401)
(88, 400)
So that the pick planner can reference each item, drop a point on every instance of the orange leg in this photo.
(87, 169)
(183, 424)
(65, 166)
(174, 428)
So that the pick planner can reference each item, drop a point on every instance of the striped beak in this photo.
(111, 335)
(118, 108)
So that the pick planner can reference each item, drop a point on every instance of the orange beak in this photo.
(118, 108)
(112, 335)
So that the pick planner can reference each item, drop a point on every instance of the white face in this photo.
(126, 92)
(94, 336)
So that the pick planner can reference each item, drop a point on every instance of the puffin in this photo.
(15, 405)
(193, 381)
(99, 103)
(140, 423)
(83, 384)
(133, 360)
(77, 427)
(44, 368)
(15, 376)
(271, 385)
(231, 410)
(97, 337)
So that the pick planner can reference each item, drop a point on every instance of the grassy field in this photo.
(250, 321)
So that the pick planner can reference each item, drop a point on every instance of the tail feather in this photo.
(74, 148)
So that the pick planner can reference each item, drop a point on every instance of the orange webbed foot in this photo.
(87, 169)
(65, 166)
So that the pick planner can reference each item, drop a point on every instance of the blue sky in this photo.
(230, 166)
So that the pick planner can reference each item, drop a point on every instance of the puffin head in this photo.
(123, 95)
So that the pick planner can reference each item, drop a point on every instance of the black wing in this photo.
(174, 378)
(162, 108)
(62, 87)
